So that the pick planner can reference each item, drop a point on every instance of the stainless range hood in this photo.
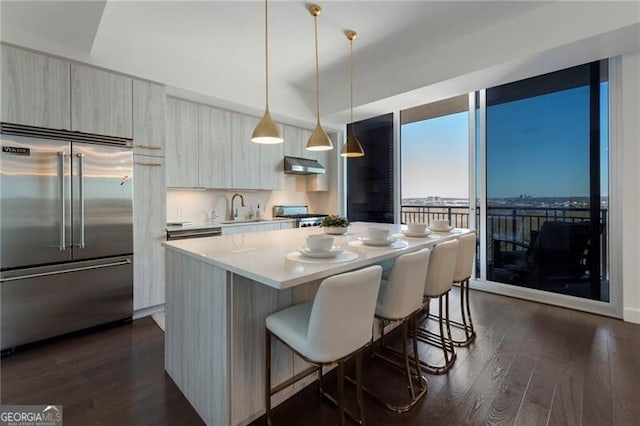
(302, 166)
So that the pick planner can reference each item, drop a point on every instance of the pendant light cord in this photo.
(315, 21)
(351, 78)
(266, 54)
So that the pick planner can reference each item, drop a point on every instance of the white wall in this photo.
(631, 186)
(197, 205)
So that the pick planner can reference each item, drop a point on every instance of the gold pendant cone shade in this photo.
(352, 148)
(267, 131)
(319, 141)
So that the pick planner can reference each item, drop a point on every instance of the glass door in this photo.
(546, 193)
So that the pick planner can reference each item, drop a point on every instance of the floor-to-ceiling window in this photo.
(547, 182)
(538, 154)
(434, 141)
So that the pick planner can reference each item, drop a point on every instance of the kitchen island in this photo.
(219, 291)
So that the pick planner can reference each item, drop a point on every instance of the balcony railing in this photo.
(510, 223)
(458, 216)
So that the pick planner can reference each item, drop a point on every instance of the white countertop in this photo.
(206, 225)
(262, 256)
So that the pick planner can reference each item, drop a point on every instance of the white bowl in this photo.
(439, 224)
(335, 230)
(417, 228)
(377, 234)
(319, 242)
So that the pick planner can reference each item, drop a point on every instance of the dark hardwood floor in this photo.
(531, 364)
(112, 376)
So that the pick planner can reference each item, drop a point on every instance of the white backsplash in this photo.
(197, 205)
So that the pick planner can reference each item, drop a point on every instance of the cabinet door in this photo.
(268, 226)
(294, 142)
(182, 144)
(245, 154)
(149, 115)
(239, 229)
(271, 171)
(35, 89)
(229, 230)
(287, 225)
(101, 102)
(149, 220)
(214, 141)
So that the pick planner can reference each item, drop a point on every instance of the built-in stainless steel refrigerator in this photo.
(66, 232)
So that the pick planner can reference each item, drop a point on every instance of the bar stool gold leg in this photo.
(406, 359)
(416, 357)
(341, 392)
(463, 313)
(441, 340)
(359, 396)
(448, 324)
(471, 330)
(404, 363)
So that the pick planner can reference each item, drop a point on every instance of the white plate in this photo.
(397, 244)
(320, 254)
(416, 234)
(370, 242)
(345, 256)
(447, 229)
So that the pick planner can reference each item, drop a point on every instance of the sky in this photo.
(435, 157)
(540, 146)
(535, 146)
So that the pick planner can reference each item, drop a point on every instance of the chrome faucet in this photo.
(234, 212)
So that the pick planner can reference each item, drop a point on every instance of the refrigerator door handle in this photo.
(64, 271)
(63, 226)
(81, 196)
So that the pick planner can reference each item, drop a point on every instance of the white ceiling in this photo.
(406, 53)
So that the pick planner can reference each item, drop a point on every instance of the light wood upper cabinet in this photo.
(214, 139)
(271, 167)
(101, 102)
(182, 144)
(245, 154)
(149, 115)
(35, 89)
(294, 141)
(211, 148)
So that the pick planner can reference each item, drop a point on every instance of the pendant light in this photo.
(352, 148)
(267, 131)
(319, 141)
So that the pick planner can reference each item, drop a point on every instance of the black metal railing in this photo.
(510, 223)
(458, 216)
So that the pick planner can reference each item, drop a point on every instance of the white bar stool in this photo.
(330, 329)
(462, 275)
(399, 301)
(438, 284)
